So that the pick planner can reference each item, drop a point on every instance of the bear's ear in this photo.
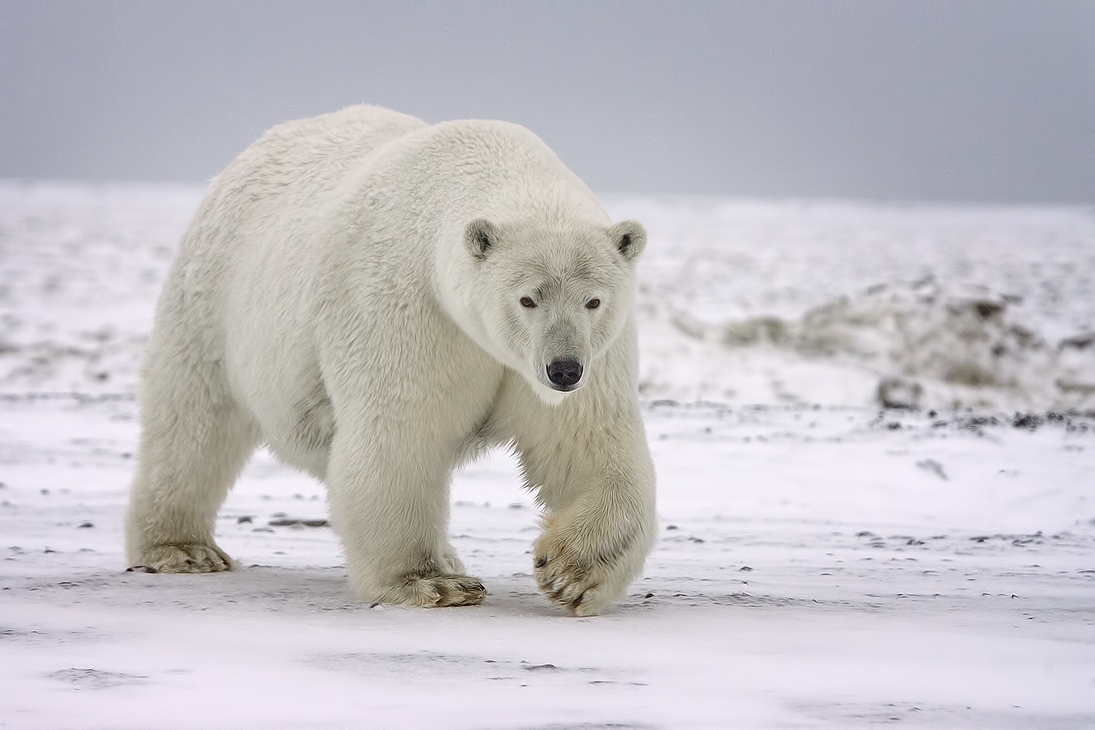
(480, 236)
(629, 238)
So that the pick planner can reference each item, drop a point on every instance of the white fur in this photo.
(349, 293)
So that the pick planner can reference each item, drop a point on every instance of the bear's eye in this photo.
(593, 303)
(527, 303)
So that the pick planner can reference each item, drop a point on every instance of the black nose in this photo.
(564, 373)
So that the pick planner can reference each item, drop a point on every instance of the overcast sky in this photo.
(957, 100)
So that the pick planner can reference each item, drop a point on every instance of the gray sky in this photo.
(921, 100)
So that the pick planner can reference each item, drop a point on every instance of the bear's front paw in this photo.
(576, 573)
(185, 558)
(437, 591)
(568, 583)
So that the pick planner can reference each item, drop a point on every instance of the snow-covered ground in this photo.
(823, 562)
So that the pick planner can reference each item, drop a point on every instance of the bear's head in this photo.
(546, 300)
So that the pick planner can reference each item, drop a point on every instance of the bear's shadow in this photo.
(318, 589)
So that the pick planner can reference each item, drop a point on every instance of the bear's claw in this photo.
(570, 585)
(567, 594)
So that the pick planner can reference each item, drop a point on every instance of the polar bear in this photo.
(378, 300)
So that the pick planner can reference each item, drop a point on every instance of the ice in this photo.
(822, 561)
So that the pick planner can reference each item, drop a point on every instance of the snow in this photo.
(823, 562)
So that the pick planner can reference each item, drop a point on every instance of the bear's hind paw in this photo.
(185, 558)
(442, 590)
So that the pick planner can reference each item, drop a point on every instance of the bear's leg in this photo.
(390, 505)
(193, 446)
(593, 474)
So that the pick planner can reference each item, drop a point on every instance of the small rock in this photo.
(1027, 420)
(296, 522)
(934, 467)
(540, 667)
(1079, 342)
(899, 394)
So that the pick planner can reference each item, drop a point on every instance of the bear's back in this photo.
(310, 157)
(290, 170)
